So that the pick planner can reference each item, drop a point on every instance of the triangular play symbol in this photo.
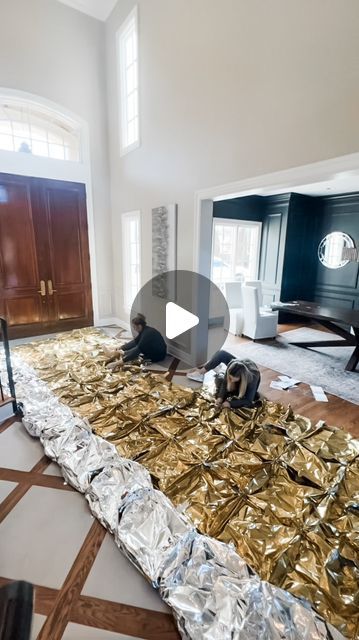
(178, 320)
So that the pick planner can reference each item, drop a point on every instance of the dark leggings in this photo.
(218, 358)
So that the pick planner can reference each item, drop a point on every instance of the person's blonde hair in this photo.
(238, 369)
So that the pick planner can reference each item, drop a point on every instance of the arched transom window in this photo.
(26, 127)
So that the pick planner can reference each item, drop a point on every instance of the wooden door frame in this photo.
(24, 164)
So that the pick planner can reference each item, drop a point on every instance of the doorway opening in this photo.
(289, 204)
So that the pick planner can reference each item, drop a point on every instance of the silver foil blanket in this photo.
(213, 593)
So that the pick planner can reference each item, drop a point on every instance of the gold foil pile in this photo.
(286, 492)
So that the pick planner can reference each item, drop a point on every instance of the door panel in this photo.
(69, 267)
(20, 299)
(71, 305)
(22, 309)
(17, 242)
(65, 236)
(43, 238)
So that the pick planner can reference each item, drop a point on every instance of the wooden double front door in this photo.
(45, 283)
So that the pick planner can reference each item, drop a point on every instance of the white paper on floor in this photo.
(318, 394)
(284, 382)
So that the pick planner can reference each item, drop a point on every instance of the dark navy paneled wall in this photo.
(338, 213)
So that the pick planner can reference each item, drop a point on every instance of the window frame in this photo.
(50, 124)
(243, 223)
(126, 258)
(132, 19)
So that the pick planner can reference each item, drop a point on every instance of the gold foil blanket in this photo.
(284, 491)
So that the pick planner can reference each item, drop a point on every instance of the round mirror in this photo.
(331, 250)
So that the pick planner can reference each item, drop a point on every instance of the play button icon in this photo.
(178, 320)
(189, 311)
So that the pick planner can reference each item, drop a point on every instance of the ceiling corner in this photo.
(99, 9)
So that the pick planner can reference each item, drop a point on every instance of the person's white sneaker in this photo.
(195, 375)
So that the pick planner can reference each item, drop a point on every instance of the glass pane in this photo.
(5, 127)
(131, 75)
(132, 106)
(129, 49)
(136, 128)
(131, 132)
(56, 151)
(131, 257)
(133, 231)
(55, 137)
(40, 148)
(22, 144)
(6, 142)
(21, 130)
(235, 252)
(38, 133)
(72, 153)
(135, 46)
(133, 254)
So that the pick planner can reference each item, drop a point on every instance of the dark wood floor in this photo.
(336, 412)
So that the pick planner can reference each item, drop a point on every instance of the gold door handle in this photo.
(42, 290)
(50, 288)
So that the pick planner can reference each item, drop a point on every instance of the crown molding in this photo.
(99, 9)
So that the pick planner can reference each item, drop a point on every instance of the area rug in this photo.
(278, 487)
(324, 366)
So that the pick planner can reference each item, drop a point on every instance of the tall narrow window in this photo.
(127, 48)
(235, 250)
(131, 256)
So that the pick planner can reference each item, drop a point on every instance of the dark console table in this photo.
(328, 317)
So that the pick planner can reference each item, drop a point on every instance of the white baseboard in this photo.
(105, 322)
(123, 324)
(181, 355)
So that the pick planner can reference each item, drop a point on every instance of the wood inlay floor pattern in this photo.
(61, 606)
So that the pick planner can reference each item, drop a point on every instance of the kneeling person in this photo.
(148, 343)
(238, 386)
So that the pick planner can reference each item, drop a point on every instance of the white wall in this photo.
(51, 50)
(229, 89)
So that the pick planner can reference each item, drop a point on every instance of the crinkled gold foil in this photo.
(286, 492)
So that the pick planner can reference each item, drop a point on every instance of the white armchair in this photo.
(233, 295)
(258, 323)
(258, 285)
